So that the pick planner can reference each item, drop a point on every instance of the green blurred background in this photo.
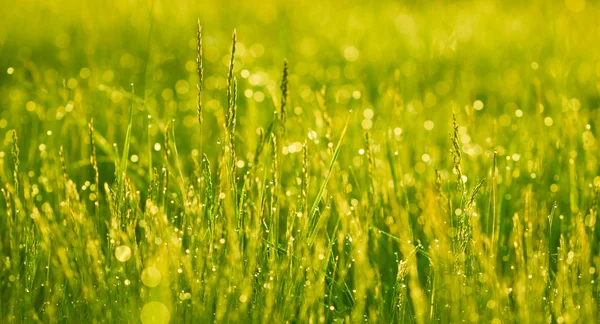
(516, 68)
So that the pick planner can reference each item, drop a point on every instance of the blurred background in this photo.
(515, 67)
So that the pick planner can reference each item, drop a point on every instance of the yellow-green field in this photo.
(338, 162)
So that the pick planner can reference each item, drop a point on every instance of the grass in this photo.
(408, 163)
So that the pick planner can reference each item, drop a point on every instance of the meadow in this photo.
(299, 162)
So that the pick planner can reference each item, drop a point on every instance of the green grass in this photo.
(423, 162)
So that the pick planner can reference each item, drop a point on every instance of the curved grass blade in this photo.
(315, 206)
(123, 166)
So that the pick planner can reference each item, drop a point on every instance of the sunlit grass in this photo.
(379, 162)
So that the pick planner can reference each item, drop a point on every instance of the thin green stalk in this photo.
(315, 206)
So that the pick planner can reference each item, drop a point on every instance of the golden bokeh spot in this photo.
(123, 253)
(155, 313)
(575, 5)
(151, 277)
